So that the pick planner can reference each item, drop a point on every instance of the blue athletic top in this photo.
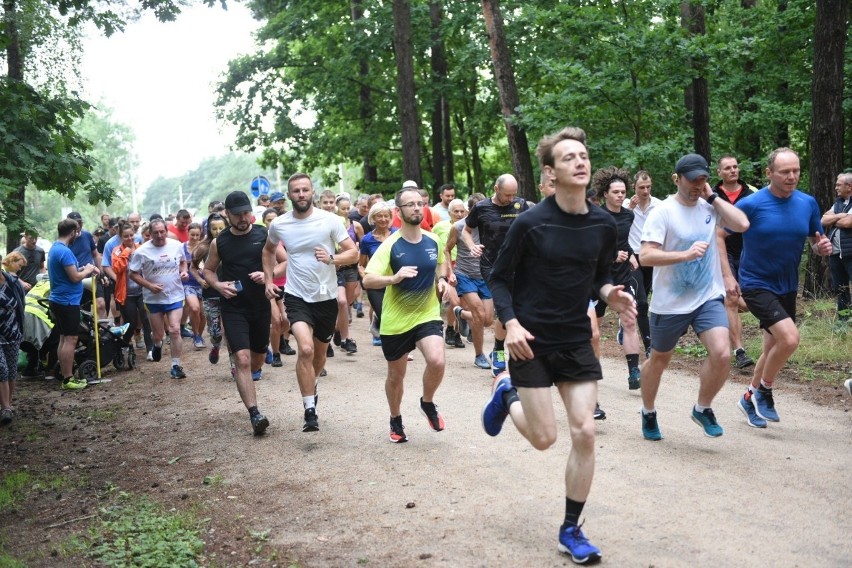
(83, 247)
(62, 290)
(772, 246)
(369, 244)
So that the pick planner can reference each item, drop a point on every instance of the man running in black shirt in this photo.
(565, 245)
(493, 217)
(246, 313)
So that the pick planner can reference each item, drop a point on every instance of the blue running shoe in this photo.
(377, 342)
(747, 408)
(268, 359)
(707, 420)
(619, 337)
(177, 372)
(650, 428)
(494, 412)
(481, 361)
(573, 542)
(186, 333)
(634, 381)
(764, 404)
(498, 362)
(257, 375)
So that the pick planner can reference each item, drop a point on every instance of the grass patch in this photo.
(695, 350)
(134, 531)
(7, 561)
(13, 488)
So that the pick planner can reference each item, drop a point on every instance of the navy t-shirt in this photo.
(83, 248)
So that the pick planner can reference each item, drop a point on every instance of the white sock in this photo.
(308, 401)
(175, 361)
(700, 408)
(646, 411)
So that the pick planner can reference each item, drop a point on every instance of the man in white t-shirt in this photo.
(311, 237)
(679, 241)
(159, 267)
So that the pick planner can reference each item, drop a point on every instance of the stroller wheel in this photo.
(131, 359)
(87, 370)
(118, 360)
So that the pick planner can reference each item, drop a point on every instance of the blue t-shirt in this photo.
(369, 244)
(62, 290)
(83, 248)
(773, 244)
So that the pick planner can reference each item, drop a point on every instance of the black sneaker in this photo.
(397, 430)
(599, 412)
(285, 347)
(742, 360)
(336, 338)
(157, 353)
(449, 337)
(259, 423)
(276, 360)
(330, 351)
(311, 420)
(430, 411)
(349, 346)
(458, 341)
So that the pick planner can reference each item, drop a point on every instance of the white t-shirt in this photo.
(307, 278)
(160, 265)
(682, 288)
(639, 217)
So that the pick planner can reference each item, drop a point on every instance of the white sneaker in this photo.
(140, 344)
(848, 385)
(150, 356)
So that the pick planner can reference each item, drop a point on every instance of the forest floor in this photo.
(345, 496)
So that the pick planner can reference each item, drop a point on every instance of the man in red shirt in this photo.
(180, 229)
(427, 223)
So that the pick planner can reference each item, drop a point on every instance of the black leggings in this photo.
(376, 297)
(131, 310)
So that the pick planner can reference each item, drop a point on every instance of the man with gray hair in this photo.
(838, 222)
(493, 217)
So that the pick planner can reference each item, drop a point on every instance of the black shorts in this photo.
(769, 308)
(734, 263)
(246, 329)
(66, 318)
(347, 274)
(634, 286)
(570, 364)
(396, 346)
(321, 316)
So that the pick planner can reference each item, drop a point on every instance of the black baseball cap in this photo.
(692, 166)
(237, 202)
(76, 216)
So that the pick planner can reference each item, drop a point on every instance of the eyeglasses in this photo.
(414, 204)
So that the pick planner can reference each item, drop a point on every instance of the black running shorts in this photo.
(570, 364)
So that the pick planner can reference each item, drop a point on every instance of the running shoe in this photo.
(430, 411)
(650, 428)
(619, 337)
(276, 360)
(634, 380)
(359, 309)
(150, 356)
(323, 373)
(573, 542)
(599, 412)
(498, 362)
(259, 423)
(450, 337)
(329, 352)
(257, 375)
(764, 404)
(213, 356)
(6, 416)
(457, 341)
(311, 420)
(495, 411)
(177, 372)
(73, 383)
(397, 430)
(469, 337)
(156, 353)
(746, 407)
(374, 327)
(285, 347)
(741, 359)
(184, 332)
(336, 338)
(481, 361)
(349, 346)
(268, 359)
(707, 420)
(461, 324)
(848, 385)
(199, 342)
(377, 342)
(139, 343)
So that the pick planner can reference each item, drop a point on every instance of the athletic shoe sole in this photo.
(591, 559)
(261, 426)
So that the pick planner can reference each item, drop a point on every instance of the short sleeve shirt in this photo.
(307, 278)
(62, 290)
(160, 265)
(493, 222)
(413, 301)
(35, 261)
(83, 248)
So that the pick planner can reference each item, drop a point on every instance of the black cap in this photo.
(692, 166)
(237, 202)
(76, 216)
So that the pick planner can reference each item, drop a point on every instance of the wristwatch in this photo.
(331, 259)
(712, 198)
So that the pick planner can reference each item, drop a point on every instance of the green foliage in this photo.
(134, 531)
(13, 488)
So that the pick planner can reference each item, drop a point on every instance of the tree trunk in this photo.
(409, 120)
(696, 95)
(747, 142)
(14, 203)
(439, 78)
(448, 141)
(463, 138)
(826, 137)
(365, 102)
(781, 137)
(505, 76)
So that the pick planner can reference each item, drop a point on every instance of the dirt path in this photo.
(345, 496)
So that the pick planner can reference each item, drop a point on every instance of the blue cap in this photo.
(277, 196)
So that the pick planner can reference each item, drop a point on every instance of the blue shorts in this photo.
(163, 308)
(468, 285)
(666, 329)
(192, 290)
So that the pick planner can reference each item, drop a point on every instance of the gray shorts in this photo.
(666, 329)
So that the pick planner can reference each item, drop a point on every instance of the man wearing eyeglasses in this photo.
(410, 265)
